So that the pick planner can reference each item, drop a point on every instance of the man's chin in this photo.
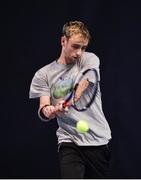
(73, 60)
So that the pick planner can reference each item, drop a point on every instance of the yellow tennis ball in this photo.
(82, 126)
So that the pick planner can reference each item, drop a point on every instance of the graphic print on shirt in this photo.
(64, 85)
(62, 88)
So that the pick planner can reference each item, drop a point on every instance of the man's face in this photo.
(74, 47)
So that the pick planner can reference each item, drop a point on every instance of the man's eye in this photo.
(76, 47)
(84, 48)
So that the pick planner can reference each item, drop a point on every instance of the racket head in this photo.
(88, 96)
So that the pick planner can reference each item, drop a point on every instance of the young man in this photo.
(81, 155)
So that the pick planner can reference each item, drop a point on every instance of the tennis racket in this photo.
(84, 91)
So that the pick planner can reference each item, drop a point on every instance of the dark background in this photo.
(30, 38)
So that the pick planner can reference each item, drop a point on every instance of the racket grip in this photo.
(65, 104)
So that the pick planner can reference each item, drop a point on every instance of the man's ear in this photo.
(63, 40)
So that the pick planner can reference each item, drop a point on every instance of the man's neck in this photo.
(61, 59)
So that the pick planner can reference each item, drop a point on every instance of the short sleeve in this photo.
(39, 85)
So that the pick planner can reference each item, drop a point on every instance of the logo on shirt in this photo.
(62, 88)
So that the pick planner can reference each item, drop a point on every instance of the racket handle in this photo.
(65, 104)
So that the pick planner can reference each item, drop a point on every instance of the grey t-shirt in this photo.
(55, 80)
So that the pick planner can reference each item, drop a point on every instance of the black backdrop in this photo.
(30, 38)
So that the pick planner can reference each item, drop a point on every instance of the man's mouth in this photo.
(76, 57)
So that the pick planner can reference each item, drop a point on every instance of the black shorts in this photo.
(80, 162)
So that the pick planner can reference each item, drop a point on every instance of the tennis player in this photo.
(81, 155)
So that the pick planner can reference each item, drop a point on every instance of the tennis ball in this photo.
(82, 126)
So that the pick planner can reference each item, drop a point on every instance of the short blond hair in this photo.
(75, 27)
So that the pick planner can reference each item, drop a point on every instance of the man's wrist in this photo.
(41, 114)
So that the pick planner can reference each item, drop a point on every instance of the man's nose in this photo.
(79, 52)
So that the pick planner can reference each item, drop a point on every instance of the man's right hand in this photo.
(49, 111)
